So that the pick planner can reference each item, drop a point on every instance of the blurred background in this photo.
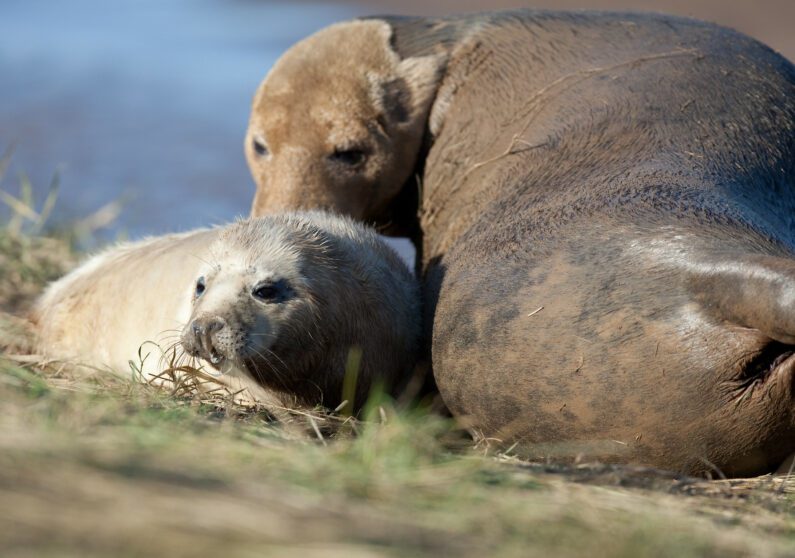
(146, 101)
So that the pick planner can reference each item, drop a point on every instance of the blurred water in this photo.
(141, 99)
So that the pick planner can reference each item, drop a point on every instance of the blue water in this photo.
(141, 100)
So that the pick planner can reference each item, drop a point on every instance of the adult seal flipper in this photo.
(753, 291)
(756, 292)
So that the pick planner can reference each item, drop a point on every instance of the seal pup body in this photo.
(605, 223)
(122, 304)
(284, 300)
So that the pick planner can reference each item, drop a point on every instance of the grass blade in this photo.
(49, 204)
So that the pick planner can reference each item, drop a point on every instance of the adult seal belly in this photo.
(293, 302)
(605, 217)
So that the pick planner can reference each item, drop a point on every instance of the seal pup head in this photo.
(292, 300)
(339, 121)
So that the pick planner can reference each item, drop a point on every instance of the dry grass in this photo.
(100, 466)
(92, 465)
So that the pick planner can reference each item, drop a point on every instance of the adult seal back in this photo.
(294, 302)
(604, 207)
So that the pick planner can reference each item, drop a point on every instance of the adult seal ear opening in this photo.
(605, 221)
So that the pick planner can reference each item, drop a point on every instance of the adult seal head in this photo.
(294, 302)
(349, 144)
(604, 217)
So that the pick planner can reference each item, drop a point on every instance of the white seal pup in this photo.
(291, 301)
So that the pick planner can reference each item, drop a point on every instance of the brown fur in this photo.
(632, 176)
(384, 116)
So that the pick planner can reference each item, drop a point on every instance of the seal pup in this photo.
(604, 218)
(292, 301)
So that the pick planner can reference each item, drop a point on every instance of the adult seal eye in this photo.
(200, 287)
(259, 147)
(349, 157)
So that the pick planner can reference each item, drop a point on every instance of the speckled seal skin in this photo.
(284, 300)
(604, 210)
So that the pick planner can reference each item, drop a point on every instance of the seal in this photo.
(294, 302)
(603, 217)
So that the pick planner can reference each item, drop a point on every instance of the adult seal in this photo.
(604, 210)
(294, 302)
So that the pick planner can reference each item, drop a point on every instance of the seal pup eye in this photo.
(200, 286)
(349, 157)
(259, 147)
(272, 291)
(266, 292)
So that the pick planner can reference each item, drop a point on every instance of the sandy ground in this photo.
(771, 21)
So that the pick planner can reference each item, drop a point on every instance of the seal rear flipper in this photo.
(754, 291)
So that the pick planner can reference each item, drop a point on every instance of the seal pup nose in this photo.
(204, 330)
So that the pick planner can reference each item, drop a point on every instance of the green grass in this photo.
(92, 465)
(104, 467)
